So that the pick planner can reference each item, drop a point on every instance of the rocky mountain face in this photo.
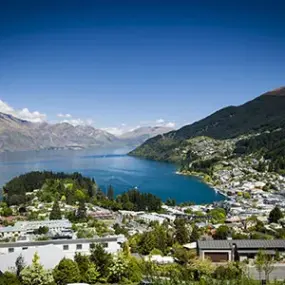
(20, 135)
(263, 114)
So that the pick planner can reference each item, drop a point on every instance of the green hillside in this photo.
(265, 113)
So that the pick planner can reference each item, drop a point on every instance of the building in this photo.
(237, 250)
(50, 256)
(28, 227)
(111, 244)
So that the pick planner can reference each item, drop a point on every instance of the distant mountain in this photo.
(20, 135)
(265, 113)
(140, 135)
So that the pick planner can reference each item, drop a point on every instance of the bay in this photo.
(111, 167)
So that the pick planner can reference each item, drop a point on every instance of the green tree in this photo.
(147, 243)
(118, 270)
(66, 272)
(275, 215)
(20, 264)
(101, 259)
(35, 274)
(8, 278)
(222, 232)
(91, 275)
(81, 212)
(55, 213)
(259, 262)
(6, 212)
(87, 269)
(110, 193)
(195, 234)
(218, 215)
(42, 230)
(182, 234)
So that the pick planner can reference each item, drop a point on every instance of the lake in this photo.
(111, 167)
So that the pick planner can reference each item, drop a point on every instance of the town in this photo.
(134, 230)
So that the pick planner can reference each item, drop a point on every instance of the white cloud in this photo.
(78, 122)
(64, 115)
(114, 131)
(170, 125)
(24, 114)
(160, 121)
(163, 123)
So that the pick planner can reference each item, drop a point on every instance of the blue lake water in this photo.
(111, 167)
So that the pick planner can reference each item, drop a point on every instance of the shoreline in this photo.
(201, 176)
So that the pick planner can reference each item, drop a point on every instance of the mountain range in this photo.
(20, 135)
(265, 113)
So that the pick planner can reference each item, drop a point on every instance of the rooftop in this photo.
(247, 244)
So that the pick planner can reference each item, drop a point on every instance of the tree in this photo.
(182, 234)
(55, 213)
(110, 193)
(6, 212)
(66, 272)
(42, 230)
(81, 212)
(88, 272)
(259, 262)
(268, 266)
(101, 259)
(35, 274)
(195, 234)
(8, 278)
(202, 268)
(147, 243)
(118, 270)
(20, 264)
(218, 215)
(275, 215)
(222, 232)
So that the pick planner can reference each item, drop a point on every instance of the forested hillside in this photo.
(265, 113)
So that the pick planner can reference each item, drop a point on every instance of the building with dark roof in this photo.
(237, 250)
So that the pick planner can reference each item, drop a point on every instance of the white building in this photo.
(111, 244)
(28, 227)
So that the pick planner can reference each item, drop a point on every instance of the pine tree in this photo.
(35, 274)
(275, 215)
(66, 272)
(55, 213)
(81, 212)
(195, 235)
(110, 193)
(101, 259)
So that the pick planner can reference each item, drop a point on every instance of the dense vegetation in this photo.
(261, 114)
(73, 188)
(60, 183)
(271, 145)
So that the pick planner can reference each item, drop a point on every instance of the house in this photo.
(111, 244)
(237, 250)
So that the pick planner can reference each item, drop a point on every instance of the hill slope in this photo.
(265, 113)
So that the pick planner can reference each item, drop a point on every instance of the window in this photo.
(79, 246)
(11, 249)
(104, 244)
(65, 247)
(24, 248)
(92, 245)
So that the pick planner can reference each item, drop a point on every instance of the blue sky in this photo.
(127, 63)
